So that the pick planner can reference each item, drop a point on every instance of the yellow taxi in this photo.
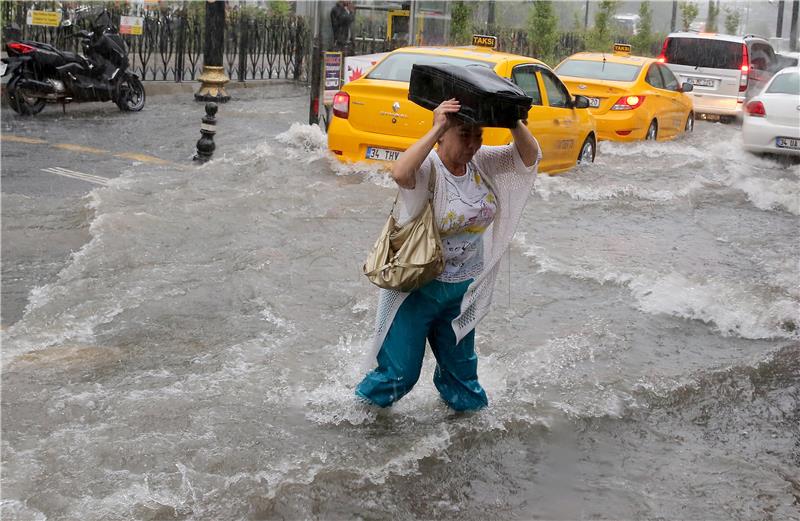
(631, 97)
(374, 120)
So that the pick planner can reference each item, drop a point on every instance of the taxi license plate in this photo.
(701, 82)
(382, 154)
(594, 102)
(787, 142)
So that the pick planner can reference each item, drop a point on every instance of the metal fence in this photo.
(259, 45)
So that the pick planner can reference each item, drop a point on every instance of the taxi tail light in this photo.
(662, 58)
(755, 109)
(341, 105)
(745, 69)
(628, 103)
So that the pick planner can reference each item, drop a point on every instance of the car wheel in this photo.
(588, 150)
(652, 131)
(689, 123)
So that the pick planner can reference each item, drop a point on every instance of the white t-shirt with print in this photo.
(471, 207)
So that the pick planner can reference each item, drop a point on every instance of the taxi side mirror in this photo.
(687, 87)
(581, 102)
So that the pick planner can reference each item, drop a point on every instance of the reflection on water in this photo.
(196, 358)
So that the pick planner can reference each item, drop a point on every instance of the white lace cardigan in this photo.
(511, 181)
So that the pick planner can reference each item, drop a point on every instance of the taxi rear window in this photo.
(786, 83)
(397, 67)
(598, 70)
(704, 52)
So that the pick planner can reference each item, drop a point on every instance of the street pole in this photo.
(490, 18)
(793, 30)
(779, 28)
(586, 16)
(316, 69)
(213, 78)
(674, 22)
(412, 22)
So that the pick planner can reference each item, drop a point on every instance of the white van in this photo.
(725, 70)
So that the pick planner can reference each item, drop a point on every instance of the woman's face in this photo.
(460, 142)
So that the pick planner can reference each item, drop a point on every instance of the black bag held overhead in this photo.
(486, 99)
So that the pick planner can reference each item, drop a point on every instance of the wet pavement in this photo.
(195, 357)
(49, 160)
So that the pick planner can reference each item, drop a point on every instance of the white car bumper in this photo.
(759, 135)
(717, 104)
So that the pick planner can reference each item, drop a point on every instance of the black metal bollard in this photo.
(205, 145)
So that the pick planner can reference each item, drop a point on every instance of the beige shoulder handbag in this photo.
(407, 257)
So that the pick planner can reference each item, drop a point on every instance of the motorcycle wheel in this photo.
(130, 94)
(20, 103)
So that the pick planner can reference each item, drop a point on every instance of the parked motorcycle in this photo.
(41, 73)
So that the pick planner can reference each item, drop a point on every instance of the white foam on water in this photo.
(574, 374)
(764, 194)
(547, 186)
(306, 143)
(375, 173)
(15, 510)
(407, 463)
(268, 314)
(734, 308)
(363, 304)
(652, 150)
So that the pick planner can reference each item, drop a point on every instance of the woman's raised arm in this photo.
(409, 161)
(526, 146)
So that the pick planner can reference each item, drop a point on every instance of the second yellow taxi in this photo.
(374, 120)
(631, 97)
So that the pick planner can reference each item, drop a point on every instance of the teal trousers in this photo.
(426, 314)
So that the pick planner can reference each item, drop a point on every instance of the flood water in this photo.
(196, 359)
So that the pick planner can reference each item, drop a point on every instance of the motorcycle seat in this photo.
(70, 57)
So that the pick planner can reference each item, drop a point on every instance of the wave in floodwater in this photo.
(733, 307)
(206, 341)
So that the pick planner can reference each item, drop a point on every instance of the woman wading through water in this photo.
(479, 197)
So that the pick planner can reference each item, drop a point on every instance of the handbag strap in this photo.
(431, 188)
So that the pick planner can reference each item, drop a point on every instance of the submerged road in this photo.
(196, 358)
(50, 162)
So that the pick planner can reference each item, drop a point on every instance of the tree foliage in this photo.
(600, 35)
(713, 14)
(643, 40)
(689, 12)
(461, 23)
(732, 21)
(543, 30)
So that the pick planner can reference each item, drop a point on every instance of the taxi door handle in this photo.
(565, 122)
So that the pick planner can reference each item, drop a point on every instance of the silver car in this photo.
(725, 70)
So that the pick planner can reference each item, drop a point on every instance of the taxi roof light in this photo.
(483, 40)
(622, 49)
